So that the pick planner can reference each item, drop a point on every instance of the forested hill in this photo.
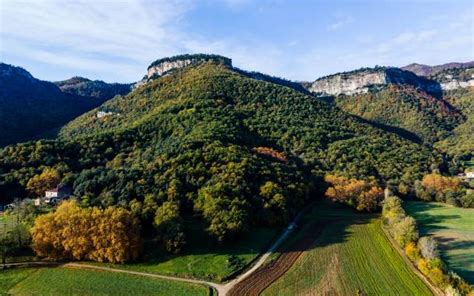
(426, 117)
(30, 107)
(205, 139)
(93, 88)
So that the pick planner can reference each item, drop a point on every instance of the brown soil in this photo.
(267, 274)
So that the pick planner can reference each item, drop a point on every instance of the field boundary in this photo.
(435, 290)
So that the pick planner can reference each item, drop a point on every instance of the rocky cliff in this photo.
(165, 65)
(426, 70)
(360, 81)
(455, 78)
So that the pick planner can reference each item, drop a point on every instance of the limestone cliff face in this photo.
(165, 65)
(348, 84)
(360, 81)
(455, 84)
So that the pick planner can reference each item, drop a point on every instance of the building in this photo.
(54, 195)
(470, 175)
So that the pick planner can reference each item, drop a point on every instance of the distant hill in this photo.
(93, 88)
(425, 70)
(29, 107)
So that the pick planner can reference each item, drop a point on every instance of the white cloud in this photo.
(82, 34)
(341, 22)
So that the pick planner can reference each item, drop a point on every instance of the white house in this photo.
(470, 175)
(54, 195)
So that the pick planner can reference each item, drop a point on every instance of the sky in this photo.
(116, 40)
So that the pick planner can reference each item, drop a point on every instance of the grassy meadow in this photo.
(351, 255)
(69, 281)
(203, 259)
(454, 230)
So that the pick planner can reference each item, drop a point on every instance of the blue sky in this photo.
(115, 40)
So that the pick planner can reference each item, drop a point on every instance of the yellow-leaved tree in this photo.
(71, 232)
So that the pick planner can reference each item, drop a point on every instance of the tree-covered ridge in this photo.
(429, 118)
(191, 143)
(30, 108)
(460, 74)
(460, 142)
(194, 57)
(93, 88)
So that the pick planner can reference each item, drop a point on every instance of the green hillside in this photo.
(404, 107)
(211, 142)
(460, 142)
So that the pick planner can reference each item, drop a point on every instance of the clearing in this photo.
(453, 228)
(350, 255)
(71, 281)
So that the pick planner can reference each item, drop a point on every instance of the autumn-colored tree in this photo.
(48, 179)
(440, 183)
(363, 195)
(412, 251)
(87, 233)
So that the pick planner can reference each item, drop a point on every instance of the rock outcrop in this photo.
(360, 81)
(165, 65)
(426, 70)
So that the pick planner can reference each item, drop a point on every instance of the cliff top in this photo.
(197, 57)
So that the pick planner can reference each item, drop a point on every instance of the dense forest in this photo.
(428, 118)
(32, 109)
(208, 141)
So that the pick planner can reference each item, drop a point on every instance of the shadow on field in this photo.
(332, 219)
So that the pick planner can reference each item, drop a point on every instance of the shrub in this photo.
(405, 231)
(428, 247)
(423, 266)
(436, 276)
(412, 251)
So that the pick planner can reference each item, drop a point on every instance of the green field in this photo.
(68, 281)
(205, 260)
(454, 230)
(351, 254)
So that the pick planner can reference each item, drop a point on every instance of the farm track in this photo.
(267, 274)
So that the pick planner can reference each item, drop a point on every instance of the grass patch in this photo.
(453, 228)
(69, 281)
(203, 259)
(10, 277)
(351, 254)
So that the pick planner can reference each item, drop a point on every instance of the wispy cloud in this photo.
(82, 34)
(340, 22)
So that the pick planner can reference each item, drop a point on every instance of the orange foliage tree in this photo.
(440, 183)
(363, 195)
(110, 235)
